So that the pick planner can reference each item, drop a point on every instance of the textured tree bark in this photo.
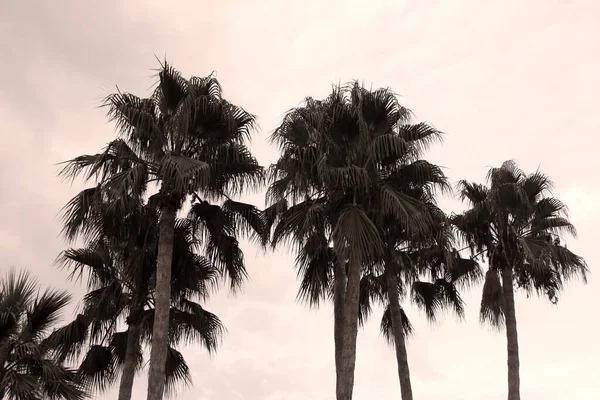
(399, 339)
(345, 381)
(130, 364)
(339, 294)
(160, 331)
(512, 341)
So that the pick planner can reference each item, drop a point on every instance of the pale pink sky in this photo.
(504, 79)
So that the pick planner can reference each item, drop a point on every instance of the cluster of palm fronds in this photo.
(351, 191)
(28, 367)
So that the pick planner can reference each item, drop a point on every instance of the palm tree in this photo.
(402, 267)
(120, 269)
(27, 370)
(338, 157)
(189, 140)
(445, 273)
(517, 226)
(417, 180)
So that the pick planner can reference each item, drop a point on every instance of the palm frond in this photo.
(115, 158)
(99, 368)
(359, 233)
(386, 328)
(171, 90)
(135, 118)
(94, 261)
(300, 221)
(183, 174)
(492, 300)
(45, 311)
(20, 386)
(315, 263)
(421, 136)
(192, 322)
(68, 341)
(249, 220)
(17, 290)
(435, 297)
(177, 371)
(463, 272)
(28, 369)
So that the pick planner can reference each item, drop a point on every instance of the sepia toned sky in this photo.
(504, 79)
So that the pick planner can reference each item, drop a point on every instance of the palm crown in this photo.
(190, 141)
(351, 168)
(28, 369)
(517, 226)
(342, 159)
(121, 266)
(185, 137)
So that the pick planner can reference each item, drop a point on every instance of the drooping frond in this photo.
(386, 329)
(435, 297)
(373, 291)
(463, 272)
(315, 264)
(177, 371)
(99, 368)
(191, 322)
(68, 341)
(248, 220)
(492, 300)
(355, 229)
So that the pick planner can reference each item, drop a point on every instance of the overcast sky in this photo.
(504, 79)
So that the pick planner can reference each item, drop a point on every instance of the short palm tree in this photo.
(27, 369)
(190, 141)
(120, 267)
(338, 161)
(433, 291)
(518, 227)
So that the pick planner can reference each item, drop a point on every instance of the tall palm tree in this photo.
(516, 224)
(337, 158)
(120, 269)
(189, 140)
(27, 369)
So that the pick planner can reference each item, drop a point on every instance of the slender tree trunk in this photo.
(130, 364)
(399, 339)
(512, 341)
(339, 294)
(160, 332)
(345, 381)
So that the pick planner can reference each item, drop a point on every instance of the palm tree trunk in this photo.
(512, 341)
(160, 331)
(339, 294)
(345, 379)
(130, 364)
(399, 339)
